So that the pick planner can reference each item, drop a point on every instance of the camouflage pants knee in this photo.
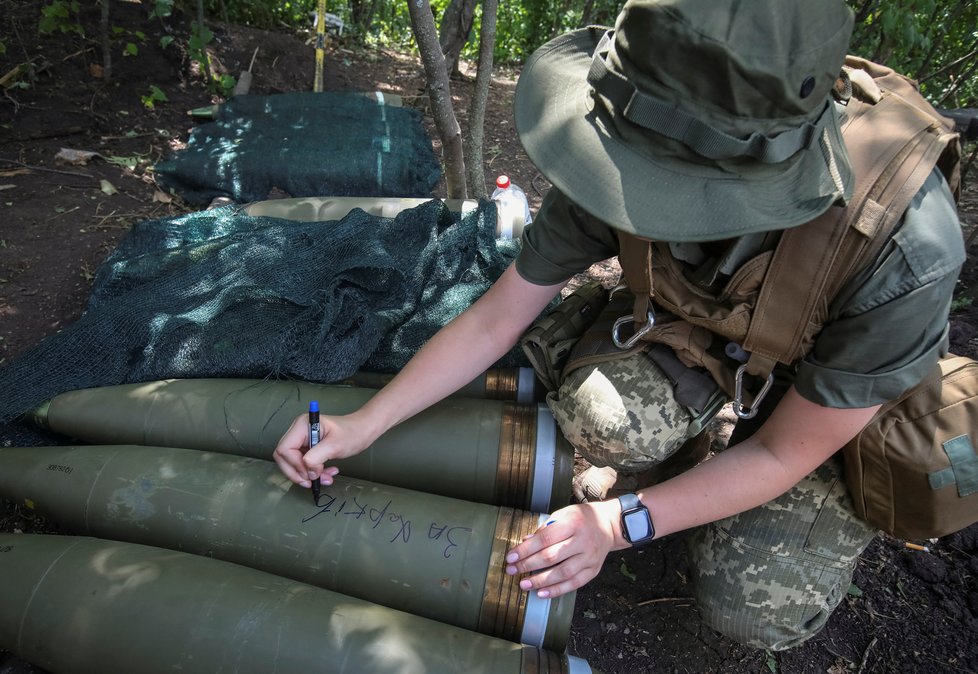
(770, 577)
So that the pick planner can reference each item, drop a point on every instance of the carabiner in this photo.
(738, 406)
(633, 340)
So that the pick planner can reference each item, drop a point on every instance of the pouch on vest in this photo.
(630, 409)
(913, 470)
(548, 342)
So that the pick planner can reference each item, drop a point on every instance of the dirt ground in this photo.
(907, 611)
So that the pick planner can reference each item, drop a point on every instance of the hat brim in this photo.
(658, 196)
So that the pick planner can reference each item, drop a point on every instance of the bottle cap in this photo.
(502, 182)
(314, 406)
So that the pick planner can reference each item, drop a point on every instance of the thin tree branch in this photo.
(480, 96)
(440, 95)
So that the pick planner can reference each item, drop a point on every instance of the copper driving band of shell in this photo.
(517, 452)
(502, 384)
(503, 602)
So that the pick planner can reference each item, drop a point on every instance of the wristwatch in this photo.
(636, 523)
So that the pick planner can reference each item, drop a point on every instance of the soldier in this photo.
(710, 128)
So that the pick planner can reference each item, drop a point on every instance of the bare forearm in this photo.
(733, 481)
(451, 359)
(459, 352)
(798, 437)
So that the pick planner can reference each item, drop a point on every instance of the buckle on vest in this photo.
(633, 340)
(738, 406)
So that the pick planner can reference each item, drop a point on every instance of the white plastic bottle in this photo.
(512, 208)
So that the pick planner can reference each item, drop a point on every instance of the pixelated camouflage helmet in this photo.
(622, 413)
(693, 120)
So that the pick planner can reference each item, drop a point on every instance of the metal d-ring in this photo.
(633, 340)
(738, 405)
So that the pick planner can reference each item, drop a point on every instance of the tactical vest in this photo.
(774, 305)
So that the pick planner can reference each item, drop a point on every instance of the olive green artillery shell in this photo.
(84, 605)
(487, 451)
(325, 209)
(433, 556)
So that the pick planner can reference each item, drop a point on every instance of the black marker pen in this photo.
(313, 441)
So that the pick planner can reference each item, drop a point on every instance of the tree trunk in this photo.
(440, 95)
(959, 80)
(106, 45)
(204, 61)
(586, 13)
(362, 13)
(456, 24)
(477, 114)
(864, 9)
(559, 17)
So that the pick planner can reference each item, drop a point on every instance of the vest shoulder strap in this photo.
(894, 139)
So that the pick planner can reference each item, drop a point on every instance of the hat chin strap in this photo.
(707, 141)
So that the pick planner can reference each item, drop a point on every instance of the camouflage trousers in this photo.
(768, 577)
(771, 576)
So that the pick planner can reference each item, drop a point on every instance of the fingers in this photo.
(565, 553)
(289, 452)
(555, 569)
(289, 471)
(302, 464)
(566, 577)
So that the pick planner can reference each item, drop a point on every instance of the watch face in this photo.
(638, 524)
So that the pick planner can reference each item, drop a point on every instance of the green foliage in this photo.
(225, 84)
(961, 302)
(272, 13)
(160, 9)
(154, 96)
(131, 48)
(200, 37)
(932, 41)
(60, 17)
(523, 26)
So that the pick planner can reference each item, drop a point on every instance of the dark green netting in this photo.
(306, 144)
(223, 294)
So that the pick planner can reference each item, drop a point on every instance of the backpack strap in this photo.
(893, 144)
(635, 257)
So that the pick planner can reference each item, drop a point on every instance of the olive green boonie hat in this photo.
(693, 120)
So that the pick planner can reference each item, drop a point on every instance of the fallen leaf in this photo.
(96, 71)
(162, 197)
(108, 187)
(15, 172)
(7, 187)
(66, 155)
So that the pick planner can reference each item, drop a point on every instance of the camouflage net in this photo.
(305, 144)
(223, 294)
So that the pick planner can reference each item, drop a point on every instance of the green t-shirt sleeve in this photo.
(562, 241)
(888, 326)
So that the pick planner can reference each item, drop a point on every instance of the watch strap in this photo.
(631, 505)
(629, 502)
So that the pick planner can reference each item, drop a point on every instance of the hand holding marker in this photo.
(313, 440)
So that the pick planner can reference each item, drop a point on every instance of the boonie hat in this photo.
(693, 120)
